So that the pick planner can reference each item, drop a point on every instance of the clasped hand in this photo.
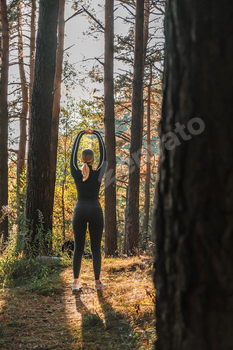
(88, 131)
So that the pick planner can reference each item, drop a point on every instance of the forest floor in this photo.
(49, 316)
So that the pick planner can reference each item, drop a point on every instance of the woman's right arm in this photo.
(73, 160)
(103, 157)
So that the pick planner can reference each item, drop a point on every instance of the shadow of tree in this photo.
(113, 334)
(116, 325)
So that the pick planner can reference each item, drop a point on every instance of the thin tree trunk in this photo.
(24, 90)
(63, 194)
(145, 40)
(148, 171)
(132, 212)
(145, 29)
(57, 98)
(38, 190)
(109, 123)
(32, 56)
(4, 119)
(194, 195)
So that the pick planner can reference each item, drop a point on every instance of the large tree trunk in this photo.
(132, 211)
(24, 90)
(32, 55)
(109, 123)
(148, 171)
(4, 120)
(38, 190)
(57, 98)
(194, 196)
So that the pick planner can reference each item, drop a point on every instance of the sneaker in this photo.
(76, 286)
(100, 286)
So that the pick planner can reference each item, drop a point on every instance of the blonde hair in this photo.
(87, 156)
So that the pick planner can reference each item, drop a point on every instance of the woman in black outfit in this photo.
(88, 208)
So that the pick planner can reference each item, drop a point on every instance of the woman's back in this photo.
(88, 189)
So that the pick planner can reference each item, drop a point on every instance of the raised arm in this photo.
(73, 160)
(103, 158)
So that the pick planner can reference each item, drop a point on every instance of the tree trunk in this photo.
(4, 120)
(109, 123)
(194, 195)
(148, 171)
(32, 55)
(132, 212)
(145, 40)
(24, 90)
(145, 29)
(38, 190)
(57, 98)
(63, 194)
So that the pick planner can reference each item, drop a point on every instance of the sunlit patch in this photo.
(119, 317)
(123, 313)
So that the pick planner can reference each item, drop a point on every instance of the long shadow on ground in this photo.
(113, 334)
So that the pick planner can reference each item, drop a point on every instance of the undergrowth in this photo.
(17, 269)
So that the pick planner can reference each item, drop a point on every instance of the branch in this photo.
(125, 107)
(13, 63)
(159, 70)
(99, 61)
(68, 47)
(96, 20)
(18, 84)
(75, 14)
(124, 19)
(10, 93)
(158, 8)
(128, 10)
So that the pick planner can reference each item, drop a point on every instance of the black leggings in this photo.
(87, 211)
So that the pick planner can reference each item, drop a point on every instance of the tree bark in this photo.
(38, 190)
(194, 195)
(148, 171)
(4, 119)
(32, 56)
(145, 29)
(63, 193)
(132, 211)
(57, 98)
(109, 123)
(24, 90)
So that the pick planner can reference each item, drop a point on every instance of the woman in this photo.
(88, 208)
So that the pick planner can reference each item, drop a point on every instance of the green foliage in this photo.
(16, 268)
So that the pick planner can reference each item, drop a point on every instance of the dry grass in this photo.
(51, 317)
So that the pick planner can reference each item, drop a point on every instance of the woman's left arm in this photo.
(73, 160)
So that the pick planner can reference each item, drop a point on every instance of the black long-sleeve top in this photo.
(89, 189)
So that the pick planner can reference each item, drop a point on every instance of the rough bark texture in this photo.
(194, 196)
(38, 190)
(32, 55)
(24, 90)
(57, 98)
(145, 29)
(132, 210)
(148, 171)
(109, 123)
(4, 119)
